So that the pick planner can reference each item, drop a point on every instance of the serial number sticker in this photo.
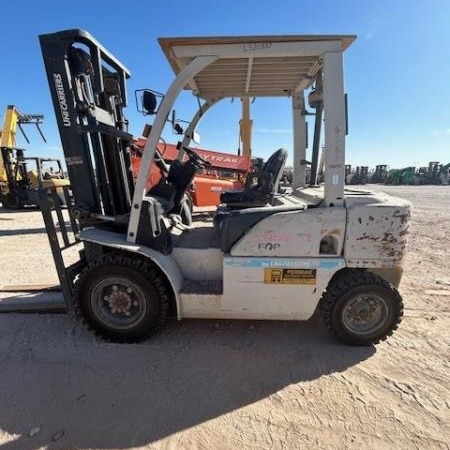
(74, 160)
(257, 46)
(290, 276)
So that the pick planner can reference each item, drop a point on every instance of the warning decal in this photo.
(290, 276)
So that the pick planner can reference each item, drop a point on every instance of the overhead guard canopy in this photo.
(253, 66)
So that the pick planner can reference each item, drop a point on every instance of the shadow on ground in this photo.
(56, 376)
(22, 231)
(17, 211)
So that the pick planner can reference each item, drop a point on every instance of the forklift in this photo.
(407, 176)
(348, 173)
(433, 173)
(264, 255)
(445, 174)
(380, 174)
(360, 175)
(21, 177)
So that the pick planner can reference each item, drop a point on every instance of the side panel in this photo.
(376, 235)
(266, 288)
(253, 289)
(296, 234)
(199, 263)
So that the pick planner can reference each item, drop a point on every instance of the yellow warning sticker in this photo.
(290, 276)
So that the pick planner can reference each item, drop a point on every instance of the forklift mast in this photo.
(7, 139)
(88, 89)
(11, 121)
(13, 167)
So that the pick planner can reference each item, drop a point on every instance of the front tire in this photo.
(361, 308)
(12, 201)
(121, 299)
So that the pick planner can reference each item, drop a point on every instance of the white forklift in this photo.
(265, 255)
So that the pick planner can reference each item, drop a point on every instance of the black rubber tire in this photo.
(153, 284)
(343, 288)
(12, 201)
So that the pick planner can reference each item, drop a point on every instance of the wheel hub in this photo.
(362, 310)
(120, 300)
(365, 314)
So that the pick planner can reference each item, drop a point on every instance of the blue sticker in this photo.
(305, 263)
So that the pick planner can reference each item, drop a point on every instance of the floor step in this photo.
(202, 287)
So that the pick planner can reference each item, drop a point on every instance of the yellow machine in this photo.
(21, 177)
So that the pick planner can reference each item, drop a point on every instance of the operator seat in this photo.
(164, 198)
(265, 189)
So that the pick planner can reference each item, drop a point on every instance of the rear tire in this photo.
(361, 308)
(121, 299)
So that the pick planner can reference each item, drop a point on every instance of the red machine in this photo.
(226, 172)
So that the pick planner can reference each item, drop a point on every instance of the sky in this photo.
(397, 72)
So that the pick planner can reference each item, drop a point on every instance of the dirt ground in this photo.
(230, 384)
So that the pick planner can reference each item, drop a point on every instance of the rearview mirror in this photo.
(149, 102)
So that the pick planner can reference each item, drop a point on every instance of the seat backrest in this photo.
(181, 176)
(271, 172)
(264, 190)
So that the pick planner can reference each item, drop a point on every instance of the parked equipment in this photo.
(432, 174)
(380, 174)
(406, 175)
(348, 173)
(359, 176)
(445, 174)
(21, 177)
(265, 255)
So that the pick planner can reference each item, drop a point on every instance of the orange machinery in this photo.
(227, 172)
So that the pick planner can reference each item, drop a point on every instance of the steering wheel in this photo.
(196, 158)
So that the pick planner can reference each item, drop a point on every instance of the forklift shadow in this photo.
(123, 396)
(24, 210)
(22, 231)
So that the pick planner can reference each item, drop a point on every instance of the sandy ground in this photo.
(229, 385)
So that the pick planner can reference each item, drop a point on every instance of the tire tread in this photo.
(340, 285)
(139, 265)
